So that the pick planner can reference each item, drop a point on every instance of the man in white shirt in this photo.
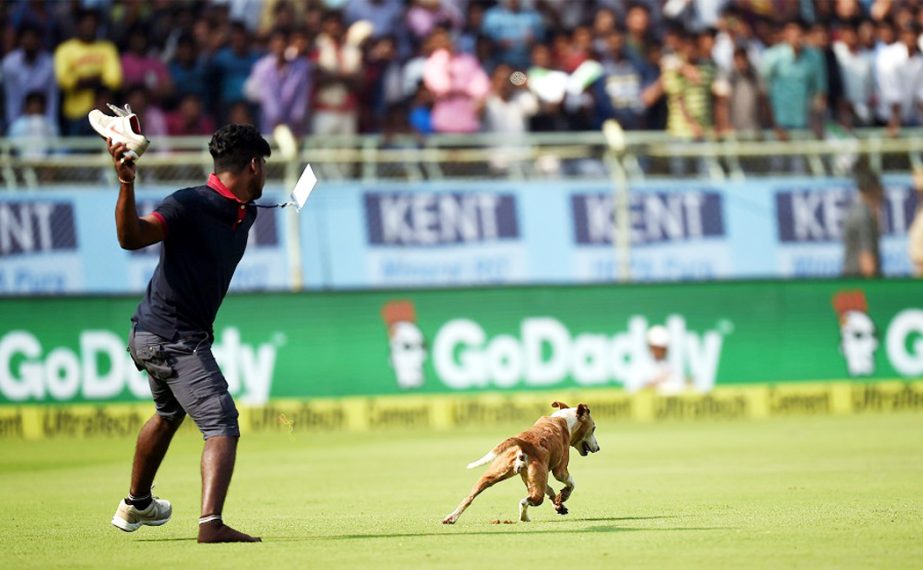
(661, 374)
(899, 68)
(507, 110)
(857, 69)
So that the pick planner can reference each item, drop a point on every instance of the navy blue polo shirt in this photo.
(206, 231)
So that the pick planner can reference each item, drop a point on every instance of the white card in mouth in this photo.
(303, 188)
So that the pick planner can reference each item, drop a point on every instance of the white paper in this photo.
(303, 188)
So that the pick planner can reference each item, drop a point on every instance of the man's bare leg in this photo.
(153, 441)
(217, 467)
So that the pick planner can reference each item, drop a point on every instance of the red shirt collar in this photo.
(218, 186)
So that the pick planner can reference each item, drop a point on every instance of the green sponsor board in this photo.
(472, 340)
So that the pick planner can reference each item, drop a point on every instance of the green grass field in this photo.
(831, 492)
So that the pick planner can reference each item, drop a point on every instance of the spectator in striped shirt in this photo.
(689, 83)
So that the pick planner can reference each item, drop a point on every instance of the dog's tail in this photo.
(488, 457)
(493, 453)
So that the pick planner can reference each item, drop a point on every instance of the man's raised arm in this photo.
(134, 232)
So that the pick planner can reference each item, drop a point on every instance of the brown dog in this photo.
(532, 454)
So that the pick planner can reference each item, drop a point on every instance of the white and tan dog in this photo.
(543, 448)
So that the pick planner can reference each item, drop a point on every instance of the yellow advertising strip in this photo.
(447, 412)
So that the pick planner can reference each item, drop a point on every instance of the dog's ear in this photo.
(559, 405)
(582, 410)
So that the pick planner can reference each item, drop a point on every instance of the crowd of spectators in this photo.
(695, 68)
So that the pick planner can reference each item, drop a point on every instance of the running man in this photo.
(204, 233)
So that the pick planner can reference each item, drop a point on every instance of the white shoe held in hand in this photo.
(124, 127)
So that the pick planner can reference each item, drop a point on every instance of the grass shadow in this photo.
(567, 519)
(524, 531)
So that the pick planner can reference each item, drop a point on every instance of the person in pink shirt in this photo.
(459, 85)
(142, 68)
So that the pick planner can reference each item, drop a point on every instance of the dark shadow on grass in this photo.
(609, 519)
(524, 531)
(186, 539)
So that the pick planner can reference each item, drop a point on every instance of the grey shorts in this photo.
(185, 378)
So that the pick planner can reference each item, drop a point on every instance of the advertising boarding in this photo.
(434, 234)
(497, 340)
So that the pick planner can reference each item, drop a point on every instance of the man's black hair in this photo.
(35, 97)
(332, 15)
(638, 4)
(233, 147)
(87, 13)
(29, 28)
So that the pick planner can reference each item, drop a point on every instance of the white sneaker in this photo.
(130, 518)
(124, 127)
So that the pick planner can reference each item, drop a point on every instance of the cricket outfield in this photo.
(810, 492)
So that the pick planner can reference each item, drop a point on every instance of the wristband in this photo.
(132, 181)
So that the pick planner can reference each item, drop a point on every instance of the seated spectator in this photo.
(424, 16)
(189, 120)
(338, 67)
(513, 29)
(229, 68)
(187, 70)
(458, 84)
(857, 68)
(899, 69)
(142, 68)
(82, 65)
(26, 70)
(796, 81)
(280, 85)
(32, 133)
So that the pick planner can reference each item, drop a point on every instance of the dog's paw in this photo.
(449, 519)
(561, 509)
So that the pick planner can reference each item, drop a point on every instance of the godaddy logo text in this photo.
(99, 368)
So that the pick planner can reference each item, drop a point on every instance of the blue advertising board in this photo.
(355, 235)
(64, 241)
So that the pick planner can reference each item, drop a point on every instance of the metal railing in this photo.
(533, 156)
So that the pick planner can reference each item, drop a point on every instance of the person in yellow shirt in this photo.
(82, 65)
